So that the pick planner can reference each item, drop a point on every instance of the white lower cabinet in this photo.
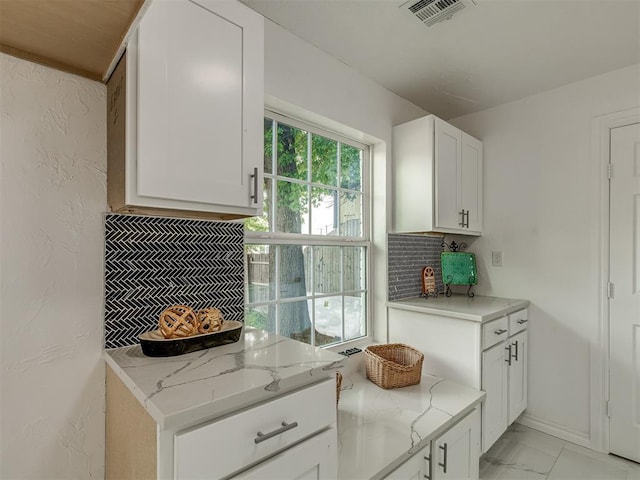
(490, 356)
(279, 427)
(454, 455)
(293, 435)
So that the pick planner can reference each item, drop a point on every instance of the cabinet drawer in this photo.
(228, 445)
(518, 321)
(494, 331)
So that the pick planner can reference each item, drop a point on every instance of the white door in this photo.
(624, 307)
(495, 371)
(199, 116)
(518, 376)
(456, 454)
(470, 188)
(448, 152)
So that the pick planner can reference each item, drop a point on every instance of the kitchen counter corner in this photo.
(379, 429)
(183, 390)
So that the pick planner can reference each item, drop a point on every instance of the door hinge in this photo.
(609, 171)
(609, 408)
(609, 290)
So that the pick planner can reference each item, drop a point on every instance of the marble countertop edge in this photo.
(477, 309)
(156, 414)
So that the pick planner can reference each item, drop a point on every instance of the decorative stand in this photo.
(458, 268)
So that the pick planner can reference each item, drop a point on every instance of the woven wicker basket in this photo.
(394, 365)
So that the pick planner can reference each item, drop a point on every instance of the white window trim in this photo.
(278, 238)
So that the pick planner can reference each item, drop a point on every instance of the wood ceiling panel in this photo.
(79, 36)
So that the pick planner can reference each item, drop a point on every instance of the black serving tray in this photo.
(155, 345)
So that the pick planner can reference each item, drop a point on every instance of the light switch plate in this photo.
(496, 259)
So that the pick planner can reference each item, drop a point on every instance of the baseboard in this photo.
(574, 436)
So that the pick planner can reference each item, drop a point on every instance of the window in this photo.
(307, 257)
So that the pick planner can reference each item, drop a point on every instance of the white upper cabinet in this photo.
(193, 127)
(437, 178)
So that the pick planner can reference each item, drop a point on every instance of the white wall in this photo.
(303, 81)
(53, 194)
(541, 210)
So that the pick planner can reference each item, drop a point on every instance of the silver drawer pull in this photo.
(428, 459)
(261, 437)
(444, 463)
(522, 321)
(500, 332)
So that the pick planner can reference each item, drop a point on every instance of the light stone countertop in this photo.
(478, 309)
(380, 429)
(184, 390)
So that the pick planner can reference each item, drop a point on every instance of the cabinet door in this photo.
(416, 468)
(518, 376)
(315, 458)
(199, 105)
(470, 188)
(495, 372)
(456, 454)
(447, 173)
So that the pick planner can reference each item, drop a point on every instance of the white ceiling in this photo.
(495, 52)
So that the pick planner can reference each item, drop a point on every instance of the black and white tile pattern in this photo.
(406, 256)
(153, 262)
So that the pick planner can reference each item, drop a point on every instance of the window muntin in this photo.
(307, 256)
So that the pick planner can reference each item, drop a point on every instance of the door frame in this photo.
(601, 127)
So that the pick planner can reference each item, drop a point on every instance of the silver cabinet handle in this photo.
(500, 332)
(515, 357)
(254, 197)
(467, 223)
(461, 212)
(444, 463)
(522, 321)
(508, 359)
(261, 437)
(426, 475)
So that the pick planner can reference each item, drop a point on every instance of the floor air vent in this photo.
(431, 12)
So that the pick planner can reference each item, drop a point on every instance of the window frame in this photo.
(274, 238)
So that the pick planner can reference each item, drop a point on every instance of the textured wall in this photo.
(407, 255)
(154, 262)
(52, 180)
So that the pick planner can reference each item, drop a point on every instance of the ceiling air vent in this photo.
(431, 12)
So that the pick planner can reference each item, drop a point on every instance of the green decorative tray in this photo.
(459, 268)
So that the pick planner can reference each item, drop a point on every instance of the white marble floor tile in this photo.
(525, 453)
(572, 465)
(535, 439)
(512, 460)
(612, 460)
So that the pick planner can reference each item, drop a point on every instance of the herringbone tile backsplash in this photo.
(153, 262)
